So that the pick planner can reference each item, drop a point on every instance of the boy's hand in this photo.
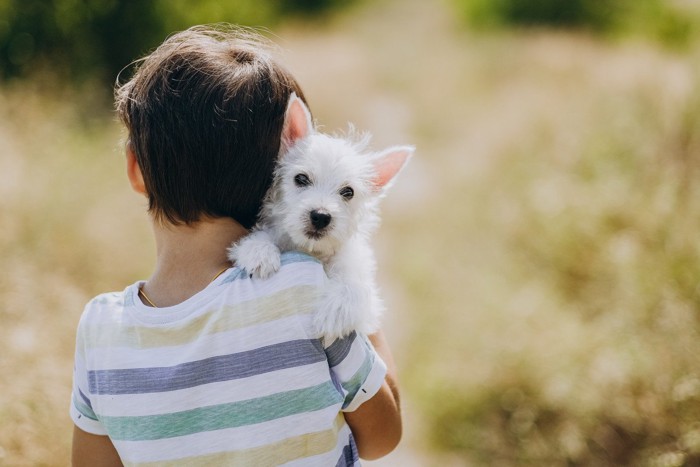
(93, 450)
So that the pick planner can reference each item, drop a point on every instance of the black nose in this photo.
(319, 219)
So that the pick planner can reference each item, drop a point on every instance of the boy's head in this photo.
(204, 113)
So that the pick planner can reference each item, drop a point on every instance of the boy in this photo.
(200, 364)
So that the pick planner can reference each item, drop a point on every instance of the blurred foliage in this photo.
(665, 20)
(87, 38)
(593, 13)
(605, 240)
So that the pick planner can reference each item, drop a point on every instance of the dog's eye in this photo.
(347, 192)
(302, 180)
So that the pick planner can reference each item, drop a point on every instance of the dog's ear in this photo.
(388, 164)
(297, 122)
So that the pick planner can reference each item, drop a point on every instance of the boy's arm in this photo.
(93, 450)
(376, 424)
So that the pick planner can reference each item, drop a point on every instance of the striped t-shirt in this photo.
(232, 376)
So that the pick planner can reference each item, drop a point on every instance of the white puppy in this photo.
(323, 201)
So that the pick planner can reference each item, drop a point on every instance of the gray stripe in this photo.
(340, 349)
(210, 370)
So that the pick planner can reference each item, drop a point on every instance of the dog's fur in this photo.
(323, 201)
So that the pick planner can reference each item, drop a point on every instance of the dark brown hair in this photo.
(204, 113)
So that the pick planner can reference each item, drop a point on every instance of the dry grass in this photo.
(69, 229)
(539, 256)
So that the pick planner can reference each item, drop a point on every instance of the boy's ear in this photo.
(297, 122)
(388, 164)
(133, 171)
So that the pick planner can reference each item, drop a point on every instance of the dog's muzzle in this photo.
(318, 223)
(319, 220)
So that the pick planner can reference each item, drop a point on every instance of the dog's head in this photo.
(326, 187)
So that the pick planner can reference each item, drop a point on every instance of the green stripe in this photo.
(353, 384)
(217, 417)
(84, 409)
(281, 452)
(294, 300)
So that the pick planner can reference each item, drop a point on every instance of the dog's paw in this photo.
(258, 256)
(342, 311)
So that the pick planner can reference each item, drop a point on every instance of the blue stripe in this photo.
(235, 275)
(210, 370)
(110, 298)
(85, 399)
(354, 454)
(289, 257)
(350, 456)
(129, 298)
(340, 349)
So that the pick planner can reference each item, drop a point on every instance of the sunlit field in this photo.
(540, 256)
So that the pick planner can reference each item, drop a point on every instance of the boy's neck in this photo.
(189, 257)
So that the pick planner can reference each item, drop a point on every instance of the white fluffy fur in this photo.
(351, 301)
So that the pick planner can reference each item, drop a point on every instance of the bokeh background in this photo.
(540, 255)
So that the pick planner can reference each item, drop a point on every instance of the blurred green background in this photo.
(539, 257)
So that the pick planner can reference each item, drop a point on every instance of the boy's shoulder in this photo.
(294, 265)
(297, 268)
(108, 299)
(107, 304)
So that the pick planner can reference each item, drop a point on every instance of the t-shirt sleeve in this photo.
(356, 368)
(81, 410)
